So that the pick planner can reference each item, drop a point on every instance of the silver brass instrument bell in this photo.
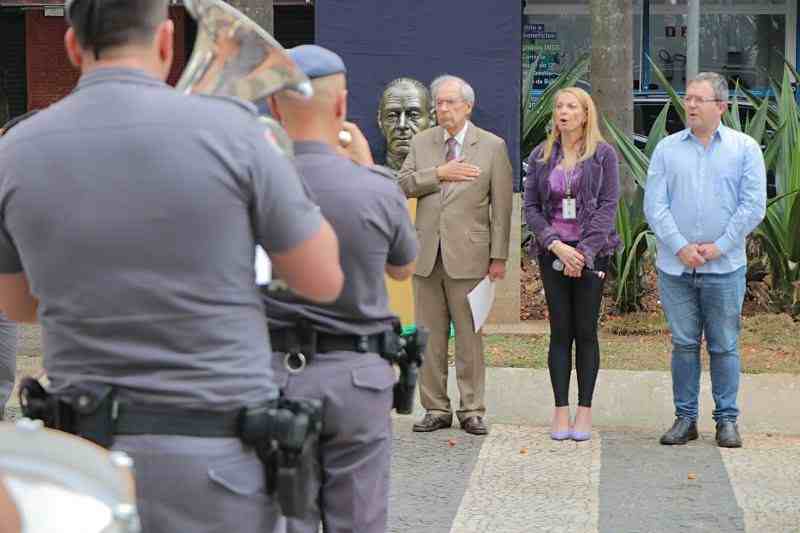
(234, 56)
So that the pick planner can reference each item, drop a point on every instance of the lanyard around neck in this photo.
(569, 177)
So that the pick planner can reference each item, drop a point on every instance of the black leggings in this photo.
(573, 305)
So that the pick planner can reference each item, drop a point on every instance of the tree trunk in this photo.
(612, 69)
(259, 10)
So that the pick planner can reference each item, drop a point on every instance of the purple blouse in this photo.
(567, 229)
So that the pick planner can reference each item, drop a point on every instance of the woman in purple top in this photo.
(571, 195)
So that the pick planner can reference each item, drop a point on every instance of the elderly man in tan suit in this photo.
(461, 177)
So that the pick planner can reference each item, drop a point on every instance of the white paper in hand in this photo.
(263, 267)
(480, 300)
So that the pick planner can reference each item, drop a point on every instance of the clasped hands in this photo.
(695, 255)
(573, 260)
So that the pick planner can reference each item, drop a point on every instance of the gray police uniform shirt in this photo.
(368, 211)
(134, 211)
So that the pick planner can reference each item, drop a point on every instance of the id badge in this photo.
(568, 208)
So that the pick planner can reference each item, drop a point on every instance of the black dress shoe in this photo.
(681, 432)
(728, 434)
(432, 422)
(474, 425)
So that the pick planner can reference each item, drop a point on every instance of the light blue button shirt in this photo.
(698, 194)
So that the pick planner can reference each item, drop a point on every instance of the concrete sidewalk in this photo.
(637, 399)
(527, 327)
(517, 480)
(634, 399)
(769, 402)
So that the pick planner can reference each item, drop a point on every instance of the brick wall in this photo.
(50, 74)
(178, 15)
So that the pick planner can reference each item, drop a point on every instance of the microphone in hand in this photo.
(558, 266)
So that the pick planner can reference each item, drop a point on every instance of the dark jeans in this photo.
(573, 306)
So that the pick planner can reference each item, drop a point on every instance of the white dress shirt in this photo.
(459, 139)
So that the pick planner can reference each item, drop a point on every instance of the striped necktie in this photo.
(449, 156)
(451, 149)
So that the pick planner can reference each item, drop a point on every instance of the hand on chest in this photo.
(471, 155)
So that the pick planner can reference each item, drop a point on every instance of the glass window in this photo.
(743, 39)
(553, 42)
(744, 47)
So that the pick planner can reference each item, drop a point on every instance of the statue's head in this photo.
(405, 109)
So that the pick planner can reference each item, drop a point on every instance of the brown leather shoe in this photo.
(474, 425)
(432, 422)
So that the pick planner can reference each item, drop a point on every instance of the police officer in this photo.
(344, 369)
(129, 214)
(8, 328)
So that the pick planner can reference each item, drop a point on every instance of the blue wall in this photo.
(477, 40)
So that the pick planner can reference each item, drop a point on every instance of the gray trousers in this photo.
(199, 485)
(8, 360)
(356, 442)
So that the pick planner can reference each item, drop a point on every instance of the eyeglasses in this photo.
(449, 102)
(699, 100)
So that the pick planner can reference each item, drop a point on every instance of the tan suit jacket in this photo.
(471, 220)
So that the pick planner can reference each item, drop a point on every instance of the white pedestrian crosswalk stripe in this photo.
(524, 482)
(766, 480)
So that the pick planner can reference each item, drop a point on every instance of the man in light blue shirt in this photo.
(706, 190)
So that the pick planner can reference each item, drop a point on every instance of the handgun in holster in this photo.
(87, 410)
(407, 351)
(285, 435)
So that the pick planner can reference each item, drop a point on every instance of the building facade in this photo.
(745, 40)
(34, 69)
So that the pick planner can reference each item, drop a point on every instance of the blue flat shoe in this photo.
(561, 435)
(580, 436)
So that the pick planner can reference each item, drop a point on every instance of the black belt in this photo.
(138, 420)
(290, 340)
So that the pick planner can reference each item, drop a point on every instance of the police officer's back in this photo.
(129, 218)
(344, 369)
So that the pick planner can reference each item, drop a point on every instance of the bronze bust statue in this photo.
(405, 109)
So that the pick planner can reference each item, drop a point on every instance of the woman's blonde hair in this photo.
(591, 130)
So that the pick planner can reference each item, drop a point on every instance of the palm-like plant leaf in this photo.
(657, 132)
(536, 117)
(731, 117)
(629, 266)
(637, 161)
(673, 95)
(773, 120)
(757, 124)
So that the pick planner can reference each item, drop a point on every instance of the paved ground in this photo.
(517, 480)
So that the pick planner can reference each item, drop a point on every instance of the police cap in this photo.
(316, 61)
(67, 8)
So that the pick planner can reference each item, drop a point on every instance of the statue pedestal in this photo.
(401, 293)
(507, 292)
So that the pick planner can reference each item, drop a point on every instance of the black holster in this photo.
(407, 352)
(285, 435)
(87, 410)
